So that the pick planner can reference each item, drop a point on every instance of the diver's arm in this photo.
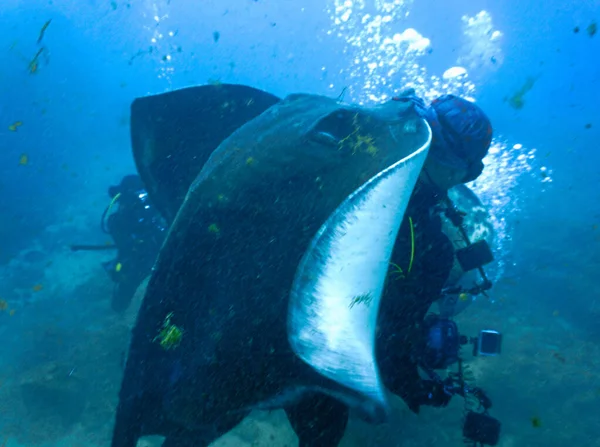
(436, 269)
(405, 380)
(406, 383)
(401, 327)
(396, 337)
(407, 298)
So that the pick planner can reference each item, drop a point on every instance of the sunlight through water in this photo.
(385, 55)
(160, 39)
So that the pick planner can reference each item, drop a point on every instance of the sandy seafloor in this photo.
(59, 382)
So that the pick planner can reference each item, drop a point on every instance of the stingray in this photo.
(267, 287)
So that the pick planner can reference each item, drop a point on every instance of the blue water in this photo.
(544, 193)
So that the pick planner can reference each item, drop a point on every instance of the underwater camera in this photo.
(441, 343)
(439, 349)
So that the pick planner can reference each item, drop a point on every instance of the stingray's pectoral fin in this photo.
(335, 296)
(138, 412)
(174, 133)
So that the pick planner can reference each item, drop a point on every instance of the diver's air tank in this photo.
(478, 225)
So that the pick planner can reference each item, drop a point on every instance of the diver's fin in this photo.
(338, 285)
(174, 133)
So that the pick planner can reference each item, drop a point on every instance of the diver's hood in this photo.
(314, 190)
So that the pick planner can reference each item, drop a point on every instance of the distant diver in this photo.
(306, 248)
(138, 231)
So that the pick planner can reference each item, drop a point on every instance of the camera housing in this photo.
(440, 343)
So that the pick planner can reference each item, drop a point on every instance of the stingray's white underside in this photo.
(339, 282)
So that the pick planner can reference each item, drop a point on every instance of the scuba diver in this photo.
(138, 231)
(408, 338)
(422, 260)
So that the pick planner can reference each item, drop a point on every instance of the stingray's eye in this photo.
(334, 128)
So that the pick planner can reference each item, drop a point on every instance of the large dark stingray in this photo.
(268, 285)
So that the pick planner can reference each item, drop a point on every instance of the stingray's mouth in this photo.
(339, 282)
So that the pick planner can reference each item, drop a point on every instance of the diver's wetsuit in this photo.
(409, 294)
(138, 232)
(404, 305)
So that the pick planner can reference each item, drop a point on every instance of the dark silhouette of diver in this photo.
(138, 232)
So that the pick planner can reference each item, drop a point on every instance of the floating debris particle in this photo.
(37, 287)
(34, 63)
(15, 126)
(214, 228)
(216, 36)
(364, 298)
(536, 422)
(23, 159)
(43, 31)
(592, 29)
(150, 50)
(588, 126)
(170, 335)
(517, 100)
(3, 304)
(576, 30)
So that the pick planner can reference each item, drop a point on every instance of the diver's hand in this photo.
(484, 400)
(407, 92)
(434, 394)
(409, 98)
